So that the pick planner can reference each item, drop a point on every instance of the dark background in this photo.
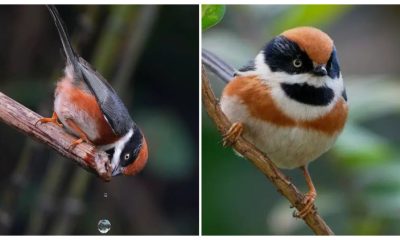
(150, 55)
(358, 180)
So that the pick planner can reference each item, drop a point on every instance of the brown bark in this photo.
(26, 121)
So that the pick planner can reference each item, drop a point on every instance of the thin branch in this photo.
(262, 162)
(25, 120)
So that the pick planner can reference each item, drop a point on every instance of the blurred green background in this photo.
(150, 56)
(358, 181)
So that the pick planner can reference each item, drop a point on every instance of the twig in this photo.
(262, 162)
(25, 120)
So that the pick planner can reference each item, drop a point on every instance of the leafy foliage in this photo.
(211, 15)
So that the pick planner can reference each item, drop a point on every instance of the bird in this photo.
(289, 101)
(86, 106)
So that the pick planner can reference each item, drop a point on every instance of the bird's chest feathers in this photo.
(77, 105)
(294, 106)
(289, 139)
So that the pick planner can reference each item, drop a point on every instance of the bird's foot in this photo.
(231, 136)
(52, 119)
(308, 202)
(75, 143)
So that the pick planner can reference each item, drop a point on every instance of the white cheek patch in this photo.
(118, 148)
(336, 85)
(291, 107)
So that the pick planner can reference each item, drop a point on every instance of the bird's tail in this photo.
(72, 57)
(217, 66)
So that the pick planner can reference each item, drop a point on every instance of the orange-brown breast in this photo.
(87, 102)
(332, 122)
(257, 98)
(317, 44)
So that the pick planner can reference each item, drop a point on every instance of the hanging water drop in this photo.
(104, 226)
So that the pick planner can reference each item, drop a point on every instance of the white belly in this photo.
(287, 147)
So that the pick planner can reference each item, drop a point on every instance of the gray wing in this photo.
(250, 66)
(218, 66)
(110, 104)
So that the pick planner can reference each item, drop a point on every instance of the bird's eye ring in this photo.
(126, 157)
(297, 63)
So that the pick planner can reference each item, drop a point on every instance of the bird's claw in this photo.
(308, 202)
(231, 136)
(52, 119)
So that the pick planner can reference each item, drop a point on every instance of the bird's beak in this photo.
(116, 171)
(320, 70)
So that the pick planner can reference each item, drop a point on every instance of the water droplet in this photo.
(104, 226)
(105, 194)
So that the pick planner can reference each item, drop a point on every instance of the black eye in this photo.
(126, 156)
(297, 63)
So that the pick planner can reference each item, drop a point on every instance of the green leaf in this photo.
(211, 15)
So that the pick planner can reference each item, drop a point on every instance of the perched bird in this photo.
(290, 101)
(89, 108)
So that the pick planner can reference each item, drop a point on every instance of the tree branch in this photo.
(23, 119)
(262, 162)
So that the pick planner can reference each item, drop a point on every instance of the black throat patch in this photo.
(304, 93)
